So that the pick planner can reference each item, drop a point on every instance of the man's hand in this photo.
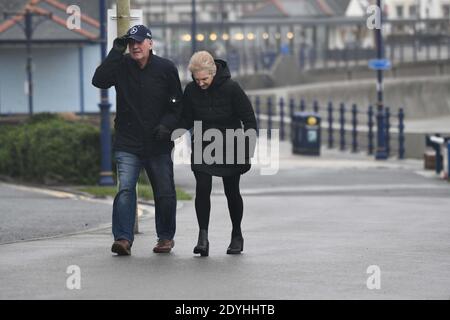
(121, 43)
(161, 132)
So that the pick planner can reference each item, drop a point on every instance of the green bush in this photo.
(48, 149)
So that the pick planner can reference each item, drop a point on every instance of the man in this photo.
(148, 107)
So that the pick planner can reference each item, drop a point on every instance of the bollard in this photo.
(330, 125)
(316, 106)
(302, 105)
(370, 124)
(291, 107)
(439, 157)
(448, 160)
(401, 134)
(258, 112)
(269, 117)
(388, 130)
(342, 122)
(281, 118)
(354, 128)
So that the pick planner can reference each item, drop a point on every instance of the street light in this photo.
(381, 153)
(106, 178)
(194, 28)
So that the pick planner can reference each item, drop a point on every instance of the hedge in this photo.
(48, 149)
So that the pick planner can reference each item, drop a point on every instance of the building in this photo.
(63, 59)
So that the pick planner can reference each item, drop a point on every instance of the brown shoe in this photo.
(164, 246)
(121, 247)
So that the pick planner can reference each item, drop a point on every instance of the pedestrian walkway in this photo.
(315, 230)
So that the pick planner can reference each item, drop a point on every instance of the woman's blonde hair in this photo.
(202, 61)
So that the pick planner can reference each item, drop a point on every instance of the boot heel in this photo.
(236, 246)
(205, 252)
(202, 246)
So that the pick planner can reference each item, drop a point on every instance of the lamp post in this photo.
(194, 28)
(381, 153)
(106, 178)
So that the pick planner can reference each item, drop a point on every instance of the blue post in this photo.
(448, 160)
(330, 125)
(401, 134)
(302, 105)
(370, 124)
(354, 128)
(281, 118)
(269, 116)
(342, 122)
(258, 112)
(106, 175)
(316, 106)
(381, 153)
(388, 129)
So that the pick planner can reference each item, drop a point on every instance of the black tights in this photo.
(203, 201)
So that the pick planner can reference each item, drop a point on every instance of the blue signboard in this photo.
(380, 64)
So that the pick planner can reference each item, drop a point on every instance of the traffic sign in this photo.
(380, 64)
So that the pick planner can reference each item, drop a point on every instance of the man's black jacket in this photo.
(145, 98)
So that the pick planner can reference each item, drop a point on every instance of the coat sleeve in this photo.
(174, 104)
(243, 107)
(105, 75)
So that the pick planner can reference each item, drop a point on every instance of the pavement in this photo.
(338, 226)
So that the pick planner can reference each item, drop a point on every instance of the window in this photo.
(399, 10)
(413, 11)
(446, 10)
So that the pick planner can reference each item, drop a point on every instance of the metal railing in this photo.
(347, 128)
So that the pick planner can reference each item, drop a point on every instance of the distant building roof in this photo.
(51, 28)
(299, 8)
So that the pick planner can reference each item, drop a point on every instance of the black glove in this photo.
(161, 132)
(121, 43)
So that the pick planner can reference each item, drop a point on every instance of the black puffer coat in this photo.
(224, 105)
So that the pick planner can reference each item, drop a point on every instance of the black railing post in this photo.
(316, 106)
(342, 123)
(258, 112)
(388, 129)
(354, 128)
(281, 118)
(370, 136)
(401, 134)
(330, 125)
(269, 117)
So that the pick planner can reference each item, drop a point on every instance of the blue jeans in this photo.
(159, 169)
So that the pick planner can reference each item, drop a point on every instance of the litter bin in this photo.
(305, 133)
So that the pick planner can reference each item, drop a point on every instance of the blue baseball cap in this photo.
(139, 33)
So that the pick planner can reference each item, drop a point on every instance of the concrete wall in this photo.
(286, 72)
(421, 97)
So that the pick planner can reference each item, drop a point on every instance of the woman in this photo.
(218, 103)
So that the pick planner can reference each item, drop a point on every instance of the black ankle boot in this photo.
(236, 245)
(202, 246)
